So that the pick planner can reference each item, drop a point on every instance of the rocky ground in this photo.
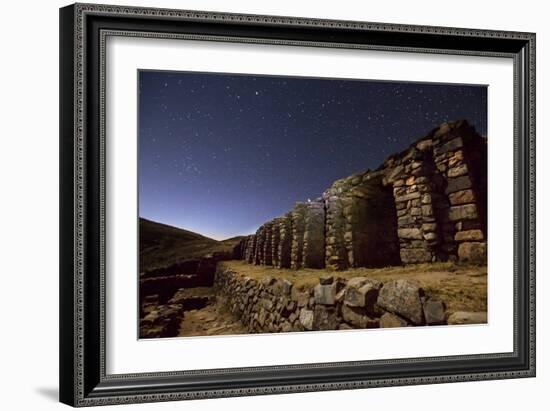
(462, 287)
(453, 293)
(214, 319)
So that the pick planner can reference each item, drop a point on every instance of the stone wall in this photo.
(298, 222)
(284, 250)
(425, 204)
(275, 305)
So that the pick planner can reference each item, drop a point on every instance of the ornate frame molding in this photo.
(83, 378)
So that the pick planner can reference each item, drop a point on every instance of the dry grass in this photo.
(461, 287)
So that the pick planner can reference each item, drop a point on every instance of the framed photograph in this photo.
(261, 204)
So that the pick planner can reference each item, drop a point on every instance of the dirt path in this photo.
(210, 320)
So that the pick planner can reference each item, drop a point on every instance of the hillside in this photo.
(161, 245)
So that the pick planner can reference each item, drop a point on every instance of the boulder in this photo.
(403, 298)
(306, 319)
(361, 292)
(358, 318)
(467, 317)
(434, 312)
(325, 318)
(389, 320)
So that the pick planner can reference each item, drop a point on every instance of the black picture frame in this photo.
(83, 29)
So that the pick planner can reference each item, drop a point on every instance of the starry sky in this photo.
(221, 154)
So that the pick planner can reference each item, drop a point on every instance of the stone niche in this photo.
(370, 230)
(314, 235)
(360, 223)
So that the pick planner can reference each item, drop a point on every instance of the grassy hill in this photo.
(161, 245)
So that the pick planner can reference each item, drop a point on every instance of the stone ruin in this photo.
(425, 204)
(275, 304)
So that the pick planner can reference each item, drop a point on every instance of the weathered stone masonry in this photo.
(425, 204)
(276, 305)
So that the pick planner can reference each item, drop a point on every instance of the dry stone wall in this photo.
(276, 305)
(425, 204)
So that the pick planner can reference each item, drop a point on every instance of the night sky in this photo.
(222, 154)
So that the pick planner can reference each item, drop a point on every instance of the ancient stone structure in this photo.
(298, 222)
(427, 203)
(276, 305)
(285, 241)
(314, 235)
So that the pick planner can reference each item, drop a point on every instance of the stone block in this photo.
(361, 292)
(451, 145)
(462, 197)
(459, 170)
(434, 312)
(325, 294)
(470, 235)
(415, 255)
(405, 220)
(458, 184)
(301, 297)
(325, 318)
(389, 320)
(358, 318)
(306, 319)
(463, 212)
(409, 233)
(427, 227)
(407, 197)
(403, 298)
(427, 210)
(473, 252)
(282, 287)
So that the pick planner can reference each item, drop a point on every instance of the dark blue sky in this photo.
(221, 154)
